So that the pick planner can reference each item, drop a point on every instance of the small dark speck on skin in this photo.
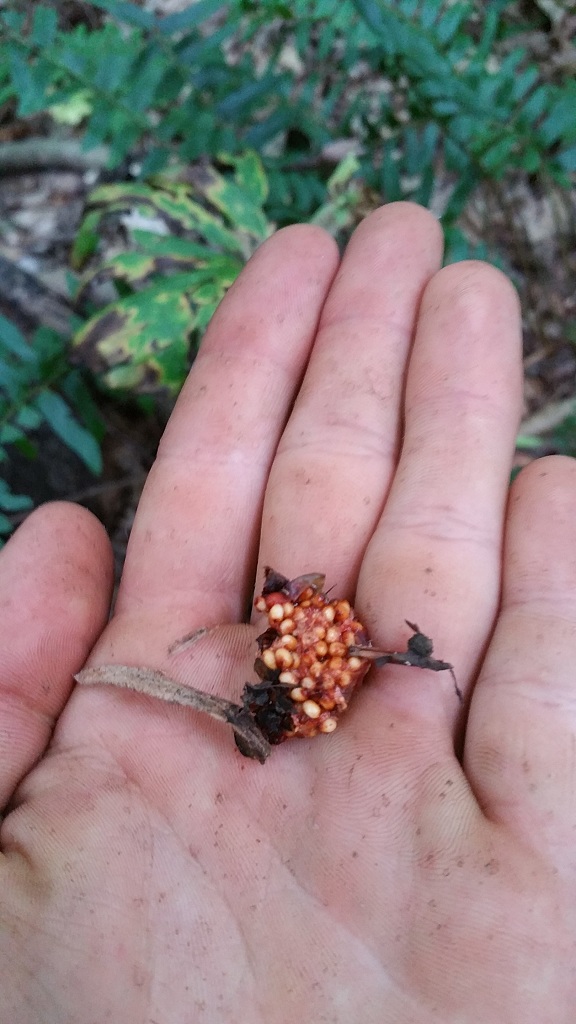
(428, 569)
(354, 853)
(460, 862)
(492, 866)
(218, 799)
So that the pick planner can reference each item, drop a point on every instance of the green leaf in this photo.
(129, 13)
(236, 205)
(44, 26)
(15, 342)
(141, 341)
(191, 16)
(9, 434)
(5, 524)
(496, 158)
(28, 417)
(567, 158)
(30, 95)
(61, 420)
(249, 174)
(26, 448)
(10, 502)
(86, 241)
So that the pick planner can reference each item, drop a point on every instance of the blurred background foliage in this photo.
(212, 123)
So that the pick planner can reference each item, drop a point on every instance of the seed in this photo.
(348, 638)
(298, 614)
(329, 613)
(327, 703)
(321, 649)
(298, 694)
(311, 709)
(288, 678)
(284, 658)
(319, 632)
(287, 626)
(288, 609)
(342, 610)
(337, 649)
(260, 604)
(268, 658)
(328, 725)
(354, 663)
(295, 660)
(315, 670)
(335, 664)
(332, 634)
(344, 680)
(289, 642)
(307, 683)
(276, 613)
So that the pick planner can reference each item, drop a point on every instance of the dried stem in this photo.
(153, 683)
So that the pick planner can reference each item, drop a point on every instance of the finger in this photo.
(435, 556)
(337, 454)
(191, 553)
(55, 586)
(521, 736)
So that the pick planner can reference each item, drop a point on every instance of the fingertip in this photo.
(65, 535)
(554, 473)
(55, 586)
(414, 219)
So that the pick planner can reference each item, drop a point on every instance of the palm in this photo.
(153, 873)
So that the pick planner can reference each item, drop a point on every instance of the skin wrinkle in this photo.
(455, 528)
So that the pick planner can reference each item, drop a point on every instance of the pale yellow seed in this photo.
(289, 642)
(335, 664)
(344, 679)
(260, 604)
(276, 613)
(315, 670)
(298, 614)
(328, 725)
(307, 683)
(337, 649)
(321, 649)
(288, 609)
(298, 694)
(311, 709)
(343, 610)
(348, 638)
(332, 634)
(268, 658)
(287, 626)
(288, 678)
(354, 663)
(283, 658)
(329, 613)
(319, 632)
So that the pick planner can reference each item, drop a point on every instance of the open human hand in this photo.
(355, 418)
